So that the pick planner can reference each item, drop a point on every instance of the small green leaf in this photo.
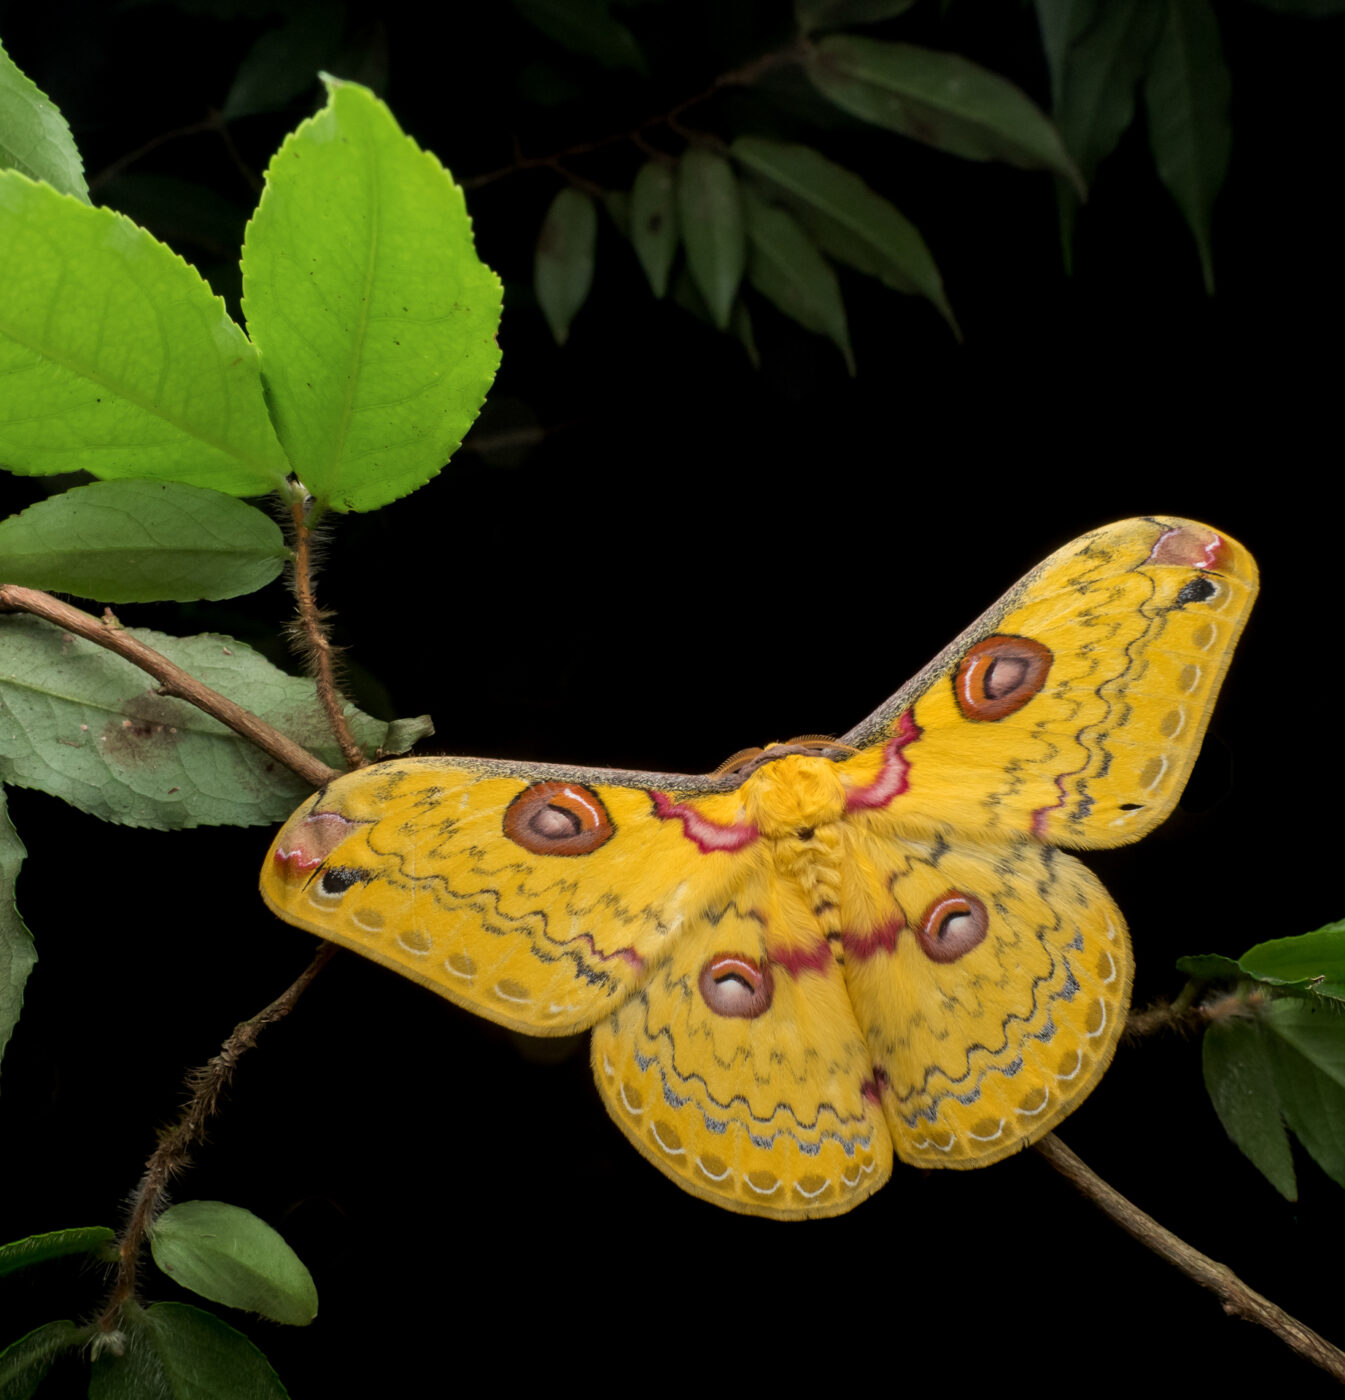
(1187, 97)
(18, 956)
(405, 734)
(1307, 1040)
(846, 219)
(941, 99)
(142, 542)
(1315, 959)
(374, 316)
(710, 210)
(280, 66)
(586, 28)
(228, 1255)
(87, 726)
(653, 228)
(787, 269)
(35, 138)
(37, 1249)
(1240, 1081)
(174, 1351)
(24, 1363)
(563, 263)
(1210, 967)
(813, 15)
(117, 359)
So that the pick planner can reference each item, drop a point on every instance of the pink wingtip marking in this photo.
(860, 947)
(1193, 548)
(795, 960)
(708, 835)
(314, 839)
(892, 779)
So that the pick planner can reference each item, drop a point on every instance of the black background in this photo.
(693, 557)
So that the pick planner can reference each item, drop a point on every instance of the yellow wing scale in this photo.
(818, 956)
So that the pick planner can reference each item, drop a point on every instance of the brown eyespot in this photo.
(733, 984)
(558, 819)
(1000, 675)
(952, 926)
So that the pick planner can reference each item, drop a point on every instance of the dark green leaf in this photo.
(710, 208)
(812, 15)
(741, 326)
(787, 269)
(35, 138)
(37, 1249)
(1307, 1041)
(283, 62)
(941, 99)
(1210, 967)
(1315, 9)
(25, 1362)
(1241, 1084)
(228, 1255)
(653, 230)
(585, 27)
(845, 218)
(1187, 97)
(17, 954)
(563, 268)
(141, 542)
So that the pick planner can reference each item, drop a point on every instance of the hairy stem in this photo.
(1238, 1300)
(173, 680)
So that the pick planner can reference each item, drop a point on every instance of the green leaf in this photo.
(710, 210)
(812, 15)
(1210, 967)
(787, 269)
(228, 1255)
(846, 219)
(1187, 98)
(1240, 1080)
(90, 728)
(563, 262)
(374, 317)
(281, 64)
(35, 138)
(405, 734)
(117, 359)
(1315, 959)
(653, 229)
(941, 99)
(741, 326)
(18, 956)
(97, 1240)
(142, 542)
(25, 1362)
(1307, 1040)
(174, 1351)
(586, 28)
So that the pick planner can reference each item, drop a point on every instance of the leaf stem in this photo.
(173, 680)
(1238, 1300)
(173, 1154)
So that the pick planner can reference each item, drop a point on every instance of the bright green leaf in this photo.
(787, 270)
(586, 28)
(941, 99)
(228, 1255)
(1241, 1085)
(374, 317)
(97, 1240)
(653, 229)
(87, 726)
(17, 954)
(174, 1351)
(25, 1362)
(845, 218)
(1187, 97)
(1316, 959)
(1307, 1041)
(710, 210)
(35, 138)
(563, 263)
(117, 359)
(813, 15)
(142, 542)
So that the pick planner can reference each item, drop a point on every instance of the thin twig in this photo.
(1238, 1300)
(173, 1154)
(312, 632)
(173, 680)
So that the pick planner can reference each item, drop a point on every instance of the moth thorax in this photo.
(795, 793)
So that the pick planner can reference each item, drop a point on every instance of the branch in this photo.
(1238, 1300)
(173, 680)
(173, 1154)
